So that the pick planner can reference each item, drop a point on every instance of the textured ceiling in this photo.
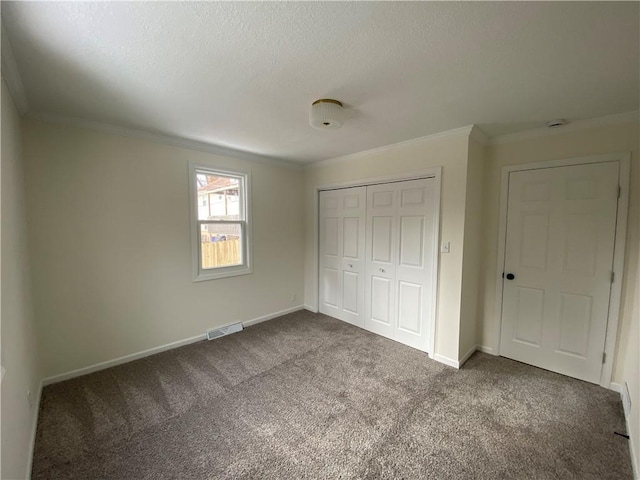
(243, 75)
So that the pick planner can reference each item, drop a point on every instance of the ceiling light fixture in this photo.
(326, 114)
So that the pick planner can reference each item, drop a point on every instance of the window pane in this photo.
(220, 245)
(218, 197)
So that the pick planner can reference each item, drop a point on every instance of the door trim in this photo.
(613, 317)
(433, 172)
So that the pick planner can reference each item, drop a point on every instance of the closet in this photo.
(378, 258)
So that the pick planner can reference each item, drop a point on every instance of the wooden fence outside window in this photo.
(221, 254)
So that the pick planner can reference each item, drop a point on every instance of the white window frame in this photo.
(198, 273)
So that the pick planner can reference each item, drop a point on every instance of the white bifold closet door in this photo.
(342, 217)
(400, 264)
(378, 258)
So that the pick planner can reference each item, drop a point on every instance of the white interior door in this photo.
(559, 249)
(341, 246)
(400, 260)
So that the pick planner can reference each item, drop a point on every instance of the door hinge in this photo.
(619, 191)
(613, 276)
(604, 357)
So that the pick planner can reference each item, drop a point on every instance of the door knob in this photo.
(381, 270)
(510, 276)
(351, 265)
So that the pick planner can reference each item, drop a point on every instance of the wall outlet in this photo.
(29, 399)
(294, 297)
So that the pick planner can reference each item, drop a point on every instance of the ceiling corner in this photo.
(11, 75)
(477, 134)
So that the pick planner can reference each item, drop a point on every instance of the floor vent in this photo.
(222, 331)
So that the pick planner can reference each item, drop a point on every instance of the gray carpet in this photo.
(307, 396)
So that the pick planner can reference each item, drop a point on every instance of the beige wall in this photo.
(629, 366)
(601, 140)
(19, 348)
(111, 253)
(109, 242)
(450, 152)
(470, 314)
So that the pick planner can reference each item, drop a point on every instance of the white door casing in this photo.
(560, 237)
(341, 250)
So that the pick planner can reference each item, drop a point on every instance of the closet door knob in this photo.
(381, 270)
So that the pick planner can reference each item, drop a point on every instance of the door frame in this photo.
(433, 172)
(613, 317)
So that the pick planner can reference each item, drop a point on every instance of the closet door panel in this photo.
(341, 249)
(416, 220)
(381, 255)
(330, 251)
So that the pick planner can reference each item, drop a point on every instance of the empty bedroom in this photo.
(320, 240)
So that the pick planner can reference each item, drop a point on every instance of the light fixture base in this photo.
(558, 122)
(327, 100)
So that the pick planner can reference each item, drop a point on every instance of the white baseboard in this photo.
(467, 355)
(152, 351)
(264, 318)
(119, 361)
(485, 349)
(446, 360)
(455, 363)
(617, 387)
(310, 308)
(34, 430)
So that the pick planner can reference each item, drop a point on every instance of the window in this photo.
(220, 228)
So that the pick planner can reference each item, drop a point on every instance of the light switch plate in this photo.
(445, 247)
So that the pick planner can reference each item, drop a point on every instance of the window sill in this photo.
(230, 272)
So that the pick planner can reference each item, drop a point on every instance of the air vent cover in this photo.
(222, 331)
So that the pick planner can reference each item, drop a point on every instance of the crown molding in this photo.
(616, 119)
(479, 136)
(11, 75)
(476, 133)
(471, 131)
(163, 139)
(456, 132)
